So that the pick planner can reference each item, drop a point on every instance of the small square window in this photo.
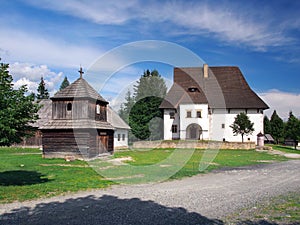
(199, 114)
(172, 115)
(189, 114)
(223, 125)
(174, 128)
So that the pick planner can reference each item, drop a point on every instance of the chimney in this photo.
(205, 70)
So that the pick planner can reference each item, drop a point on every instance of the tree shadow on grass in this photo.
(107, 210)
(21, 177)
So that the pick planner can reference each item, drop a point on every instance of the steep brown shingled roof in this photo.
(79, 89)
(225, 87)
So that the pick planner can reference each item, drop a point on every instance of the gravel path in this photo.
(202, 199)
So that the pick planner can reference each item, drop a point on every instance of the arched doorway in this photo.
(193, 131)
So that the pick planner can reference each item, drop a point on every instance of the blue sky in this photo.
(53, 38)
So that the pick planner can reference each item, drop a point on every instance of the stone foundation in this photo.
(194, 144)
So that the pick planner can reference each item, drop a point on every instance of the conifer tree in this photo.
(267, 125)
(141, 110)
(64, 84)
(292, 128)
(144, 115)
(42, 90)
(277, 127)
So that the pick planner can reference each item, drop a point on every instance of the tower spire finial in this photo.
(80, 72)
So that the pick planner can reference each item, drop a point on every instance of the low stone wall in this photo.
(194, 144)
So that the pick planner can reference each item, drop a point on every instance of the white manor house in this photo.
(203, 102)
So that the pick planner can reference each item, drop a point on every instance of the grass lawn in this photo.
(286, 149)
(217, 160)
(25, 175)
(282, 209)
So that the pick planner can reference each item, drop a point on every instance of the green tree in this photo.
(141, 110)
(127, 106)
(242, 125)
(17, 110)
(292, 129)
(150, 84)
(144, 119)
(267, 125)
(64, 84)
(277, 127)
(124, 112)
(42, 90)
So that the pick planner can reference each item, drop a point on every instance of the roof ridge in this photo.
(79, 89)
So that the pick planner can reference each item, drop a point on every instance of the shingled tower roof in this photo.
(79, 89)
(81, 117)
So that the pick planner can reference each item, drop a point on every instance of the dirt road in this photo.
(202, 199)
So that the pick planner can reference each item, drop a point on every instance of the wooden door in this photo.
(102, 141)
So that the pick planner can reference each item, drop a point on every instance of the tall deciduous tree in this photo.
(277, 127)
(242, 125)
(64, 84)
(42, 90)
(292, 128)
(17, 111)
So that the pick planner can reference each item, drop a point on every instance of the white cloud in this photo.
(29, 74)
(226, 21)
(282, 102)
(17, 45)
(101, 12)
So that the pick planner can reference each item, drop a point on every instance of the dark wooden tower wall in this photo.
(77, 143)
(79, 109)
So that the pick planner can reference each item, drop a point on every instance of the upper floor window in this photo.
(199, 115)
(98, 109)
(188, 114)
(69, 106)
(172, 115)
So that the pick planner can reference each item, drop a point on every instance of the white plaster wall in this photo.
(185, 122)
(218, 118)
(120, 143)
(168, 122)
(211, 124)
